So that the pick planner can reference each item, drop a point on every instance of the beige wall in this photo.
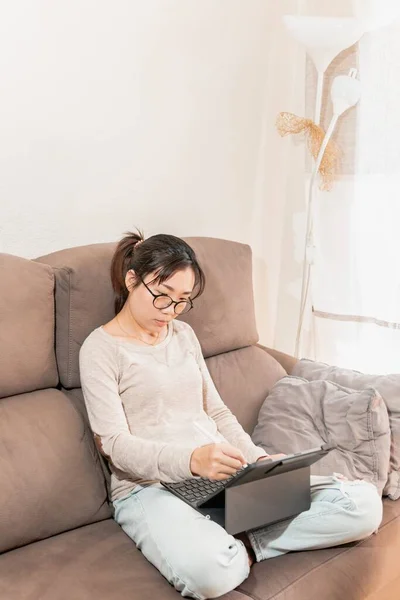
(129, 113)
(326, 8)
(156, 113)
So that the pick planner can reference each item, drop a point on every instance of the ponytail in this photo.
(120, 265)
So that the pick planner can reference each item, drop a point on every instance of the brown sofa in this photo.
(58, 540)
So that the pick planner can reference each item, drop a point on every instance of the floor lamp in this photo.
(324, 38)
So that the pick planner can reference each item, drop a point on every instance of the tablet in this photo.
(268, 467)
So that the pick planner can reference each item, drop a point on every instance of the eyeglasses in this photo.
(161, 301)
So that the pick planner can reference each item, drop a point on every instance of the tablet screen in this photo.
(267, 468)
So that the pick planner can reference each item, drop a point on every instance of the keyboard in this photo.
(197, 491)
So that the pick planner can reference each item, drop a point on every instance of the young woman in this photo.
(146, 386)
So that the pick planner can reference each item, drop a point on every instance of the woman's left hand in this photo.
(272, 457)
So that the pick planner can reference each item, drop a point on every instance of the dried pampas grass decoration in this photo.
(288, 123)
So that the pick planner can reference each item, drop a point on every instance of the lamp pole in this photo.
(324, 38)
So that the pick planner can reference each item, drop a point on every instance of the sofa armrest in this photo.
(287, 361)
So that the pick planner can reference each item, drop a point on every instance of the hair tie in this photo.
(138, 243)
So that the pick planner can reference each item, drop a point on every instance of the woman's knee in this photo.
(368, 509)
(213, 572)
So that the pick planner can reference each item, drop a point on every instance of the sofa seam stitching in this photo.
(53, 299)
(69, 328)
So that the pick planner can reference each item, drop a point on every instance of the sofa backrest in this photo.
(223, 317)
(50, 476)
(27, 359)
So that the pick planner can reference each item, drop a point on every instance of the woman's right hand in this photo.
(216, 461)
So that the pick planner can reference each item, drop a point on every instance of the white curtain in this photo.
(355, 298)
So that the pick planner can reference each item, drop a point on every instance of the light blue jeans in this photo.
(201, 560)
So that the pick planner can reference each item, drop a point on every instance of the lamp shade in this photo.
(324, 37)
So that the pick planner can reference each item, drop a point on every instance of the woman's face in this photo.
(140, 301)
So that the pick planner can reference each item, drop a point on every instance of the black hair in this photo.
(162, 254)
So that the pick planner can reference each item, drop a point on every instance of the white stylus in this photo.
(213, 438)
(208, 434)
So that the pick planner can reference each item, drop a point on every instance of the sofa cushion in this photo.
(50, 476)
(389, 388)
(286, 360)
(349, 572)
(99, 561)
(84, 300)
(300, 414)
(27, 358)
(222, 319)
(95, 562)
(76, 397)
(244, 378)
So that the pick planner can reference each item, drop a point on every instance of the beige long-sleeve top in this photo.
(143, 402)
